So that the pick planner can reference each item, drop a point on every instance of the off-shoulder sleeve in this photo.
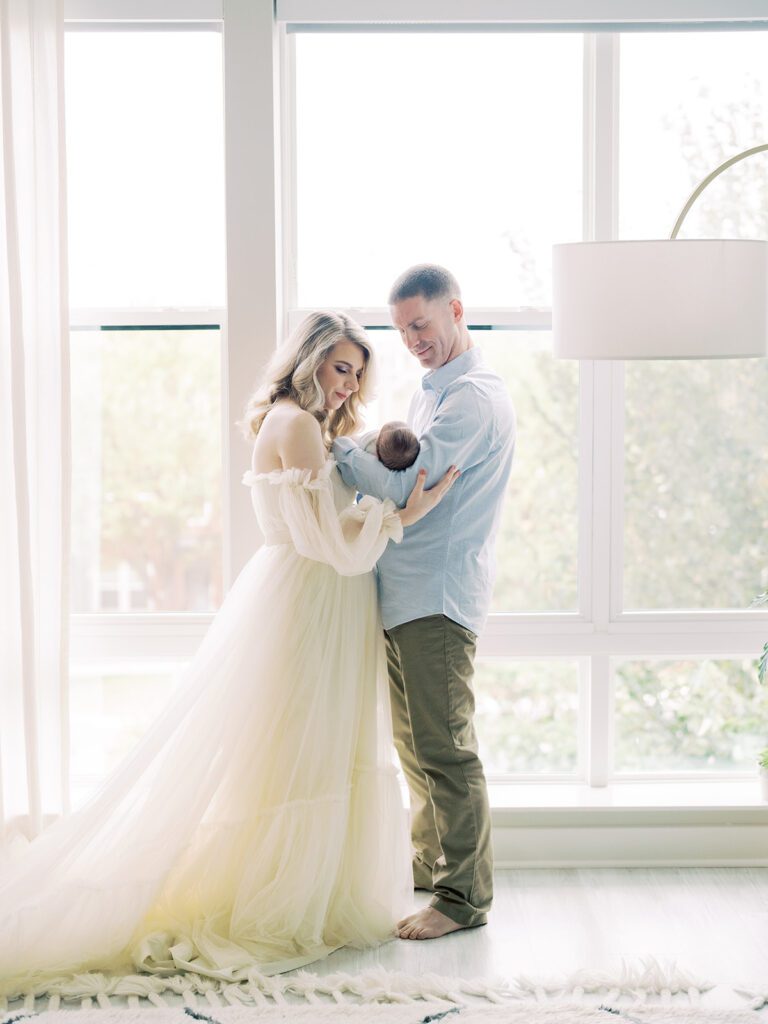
(351, 541)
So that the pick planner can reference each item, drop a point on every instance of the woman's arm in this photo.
(301, 447)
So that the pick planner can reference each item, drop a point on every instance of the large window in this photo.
(688, 714)
(460, 149)
(635, 498)
(147, 466)
(696, 432)
(527, 717)
(620, 644)
(696, 469)
(144, 114)
(145, 174)
(706, 100)
(111, 707)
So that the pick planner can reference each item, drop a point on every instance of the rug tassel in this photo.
(648, 976)
(494, 997)
(257, 995)
(756, 1000)
(495, 990)
(307, 986)
(638, 979)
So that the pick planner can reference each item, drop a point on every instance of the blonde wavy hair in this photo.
(292, 373)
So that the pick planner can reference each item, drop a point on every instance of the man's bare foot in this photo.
(427, 924)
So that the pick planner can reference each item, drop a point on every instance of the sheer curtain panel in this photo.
(34, 420)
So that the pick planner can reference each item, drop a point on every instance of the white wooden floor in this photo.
(712, 921)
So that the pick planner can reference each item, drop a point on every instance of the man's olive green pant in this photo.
(430, 673)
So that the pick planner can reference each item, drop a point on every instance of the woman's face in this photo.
(340, 373)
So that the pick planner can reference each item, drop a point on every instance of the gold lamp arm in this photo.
(711, 177)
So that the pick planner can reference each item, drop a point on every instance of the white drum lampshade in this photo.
(672, 299)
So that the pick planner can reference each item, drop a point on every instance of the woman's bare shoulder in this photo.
(289, 436)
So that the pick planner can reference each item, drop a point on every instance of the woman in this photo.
(259, 823)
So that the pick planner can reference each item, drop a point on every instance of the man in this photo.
(435, 589)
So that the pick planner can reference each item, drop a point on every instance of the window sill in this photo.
(736, 801)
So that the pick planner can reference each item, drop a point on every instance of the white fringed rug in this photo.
(413, 1013)
(640, 992)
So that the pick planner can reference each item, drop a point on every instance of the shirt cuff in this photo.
(343, 446)
(368, 441)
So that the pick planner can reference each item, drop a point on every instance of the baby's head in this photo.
(397, 447)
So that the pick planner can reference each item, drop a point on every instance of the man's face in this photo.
(429, 329)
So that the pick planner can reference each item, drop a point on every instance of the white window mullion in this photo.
(601, 188)
(600, 525)
(599, 721)
(584, 565)
(254, 300)
(517, 14)
(616, 539)
(601, 215)
(157, 318)
(498, 319)
(589, 89)
(152, 12)
(598, 705)
(584, 725)
(288, 167)
(605, 120)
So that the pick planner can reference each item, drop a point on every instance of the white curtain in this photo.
(34, 420)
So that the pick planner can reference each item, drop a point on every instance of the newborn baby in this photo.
(395, 445)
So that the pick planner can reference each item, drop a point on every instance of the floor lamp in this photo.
(662, 299)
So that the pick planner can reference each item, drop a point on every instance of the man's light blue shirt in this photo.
(445, 563)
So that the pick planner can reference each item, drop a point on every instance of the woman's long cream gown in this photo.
(259, 825)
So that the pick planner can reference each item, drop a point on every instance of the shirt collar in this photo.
(439, 379)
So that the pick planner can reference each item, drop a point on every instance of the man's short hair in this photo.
(426, 279)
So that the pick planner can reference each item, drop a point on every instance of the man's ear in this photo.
(458, 310)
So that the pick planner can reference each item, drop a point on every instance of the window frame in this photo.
(261, 238)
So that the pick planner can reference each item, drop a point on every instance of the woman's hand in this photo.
(420, 501)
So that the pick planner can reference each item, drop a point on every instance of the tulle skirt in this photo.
(258, 824)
